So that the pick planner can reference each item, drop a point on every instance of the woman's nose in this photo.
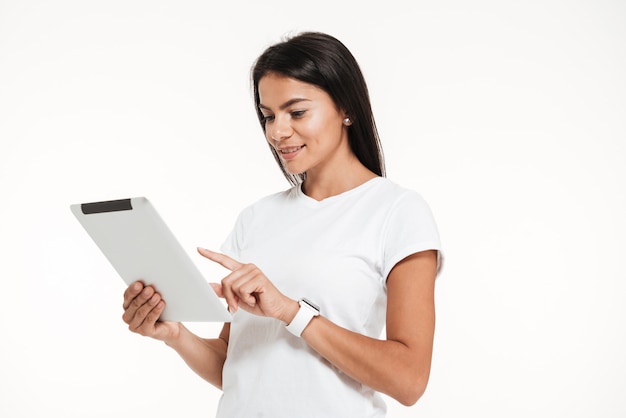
(281, 128)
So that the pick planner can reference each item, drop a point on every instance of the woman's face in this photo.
(303, 124)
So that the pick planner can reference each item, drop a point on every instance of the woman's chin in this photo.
(293, 169)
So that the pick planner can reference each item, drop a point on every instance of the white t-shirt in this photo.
(336, 252)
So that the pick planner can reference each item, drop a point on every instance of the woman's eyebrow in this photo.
(286, 104)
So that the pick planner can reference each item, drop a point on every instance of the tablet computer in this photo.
(140, 246)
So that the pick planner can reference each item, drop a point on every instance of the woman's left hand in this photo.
(246, 287)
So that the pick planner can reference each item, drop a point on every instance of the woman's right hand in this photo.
(142, 308)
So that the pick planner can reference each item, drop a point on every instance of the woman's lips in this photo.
(289, 153)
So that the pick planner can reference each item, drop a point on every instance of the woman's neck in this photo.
(325, 184)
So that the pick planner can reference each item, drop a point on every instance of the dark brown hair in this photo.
(322, 60)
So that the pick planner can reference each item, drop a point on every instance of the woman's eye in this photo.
(268, 118)
(297, 114)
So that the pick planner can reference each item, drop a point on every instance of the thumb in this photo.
(217, 288)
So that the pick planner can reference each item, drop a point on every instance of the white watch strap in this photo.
(304, 315)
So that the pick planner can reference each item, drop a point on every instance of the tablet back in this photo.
(140, 246)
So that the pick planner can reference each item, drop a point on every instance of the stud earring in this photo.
(347, 121)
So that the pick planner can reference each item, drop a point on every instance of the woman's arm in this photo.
(142, 309)
(206, 357)
(400, 365)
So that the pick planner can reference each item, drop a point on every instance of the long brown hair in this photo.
(322, 60)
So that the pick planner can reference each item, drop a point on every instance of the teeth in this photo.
(289, 150)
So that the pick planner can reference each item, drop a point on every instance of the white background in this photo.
(508, 117)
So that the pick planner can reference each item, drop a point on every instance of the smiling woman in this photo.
(306, 129)
(325, 63)
(319, 270)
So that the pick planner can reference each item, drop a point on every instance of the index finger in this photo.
(131, 293)
(222, 259)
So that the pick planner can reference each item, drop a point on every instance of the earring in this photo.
(347, 121)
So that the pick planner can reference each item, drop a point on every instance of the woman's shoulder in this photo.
(271, 201)
(389, 191)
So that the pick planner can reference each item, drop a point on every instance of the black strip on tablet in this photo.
(109, 206)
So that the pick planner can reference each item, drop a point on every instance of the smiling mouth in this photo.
(290, 150)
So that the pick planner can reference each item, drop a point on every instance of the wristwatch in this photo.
(308, 310)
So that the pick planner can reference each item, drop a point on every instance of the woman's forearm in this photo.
(205, 357)
(400, 365)
(390, 367)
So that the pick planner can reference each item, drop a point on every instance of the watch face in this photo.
(311, 304)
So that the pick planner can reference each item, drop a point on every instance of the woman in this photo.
(318, 270)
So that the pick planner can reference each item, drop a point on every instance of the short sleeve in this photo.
(410, 228)
(233, 244)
